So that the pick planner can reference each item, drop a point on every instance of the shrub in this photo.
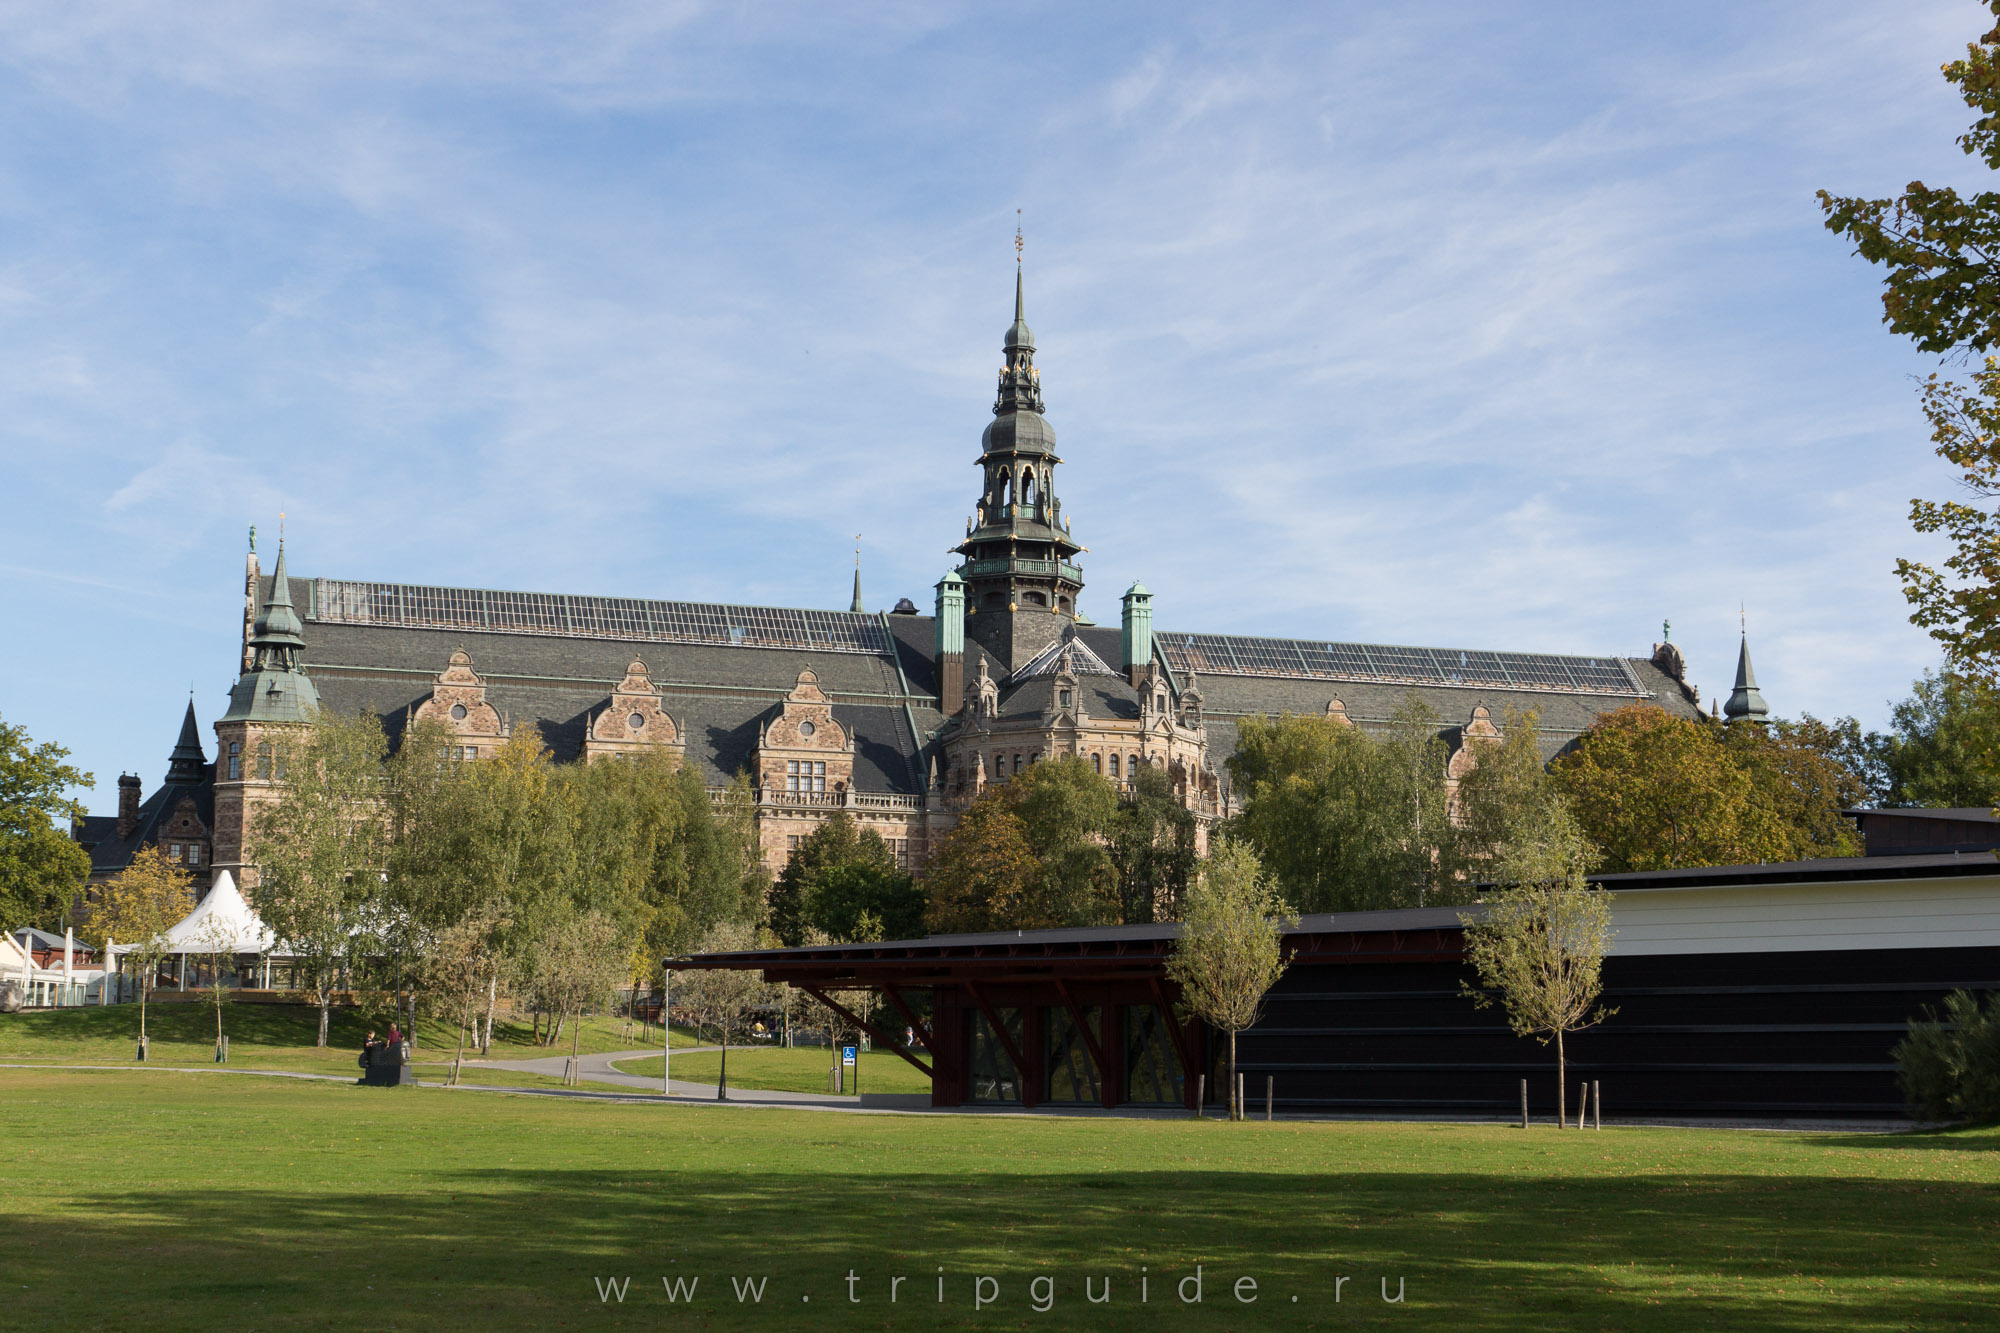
(1950, 1066)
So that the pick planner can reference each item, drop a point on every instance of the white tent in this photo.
(221, 917)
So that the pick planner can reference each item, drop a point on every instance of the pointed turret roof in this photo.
(278, 624)
(187, 761)
(1746, 702)
(855, 606)
(1018, 333)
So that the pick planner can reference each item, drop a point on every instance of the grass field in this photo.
(801, 1069)
(268, 1036)
(164, 1200)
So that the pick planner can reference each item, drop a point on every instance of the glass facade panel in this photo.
(994, 1078)
(1072, 1074)
(1152, 1070)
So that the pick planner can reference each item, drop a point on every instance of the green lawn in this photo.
(167, 1200)
(267, 1036)
(801, 1069)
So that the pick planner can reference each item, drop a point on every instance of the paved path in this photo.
(603, 1068)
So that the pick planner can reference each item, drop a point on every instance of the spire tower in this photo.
(1019, 559)
(1746, 701)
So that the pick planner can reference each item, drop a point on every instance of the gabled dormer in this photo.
(633, 721)
(803, 751)
(458, 699)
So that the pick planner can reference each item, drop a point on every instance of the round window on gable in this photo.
(458, 712)
(636, 721)
(806, 730)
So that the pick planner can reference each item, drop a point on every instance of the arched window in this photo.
(1028, 489)
(1097, 764)
(1132, 767)
(1006, 483)
(264, 761)
(1034, 599)
(1114, 766)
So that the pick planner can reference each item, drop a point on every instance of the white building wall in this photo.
(1958, 912)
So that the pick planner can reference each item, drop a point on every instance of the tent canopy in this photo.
(221, 922)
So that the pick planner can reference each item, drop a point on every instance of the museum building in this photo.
(898, 718)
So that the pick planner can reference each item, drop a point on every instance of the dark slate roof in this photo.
(1952, 814)
(110, 853)
(1929, 865)
(717, 694)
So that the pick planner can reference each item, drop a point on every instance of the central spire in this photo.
(1020, 572)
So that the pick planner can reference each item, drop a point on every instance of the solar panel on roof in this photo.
(341, 601)
(1297, 659)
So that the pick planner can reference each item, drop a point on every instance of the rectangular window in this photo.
(194, 853)
(173, 851)
(235, 761)
(1152, 1069)
(792, 842)
(1071, 1073)
(994, 1078)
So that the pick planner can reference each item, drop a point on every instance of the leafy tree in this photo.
(319, 849)
(1653, 791)
(983, 873)
(1940, 248)
(1153, 849)
(42, 870)
(1507, 791)
(1228, 954)
(140, 905)
(1941, 289)
(579, 961)
(1540, 942)
(458, 969)
(1943, 746)
(1344, 819)
(838, 874)
(723, 996)
(1070, 813)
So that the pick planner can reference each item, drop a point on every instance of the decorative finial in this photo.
(1742, 620)
(281, 527)
(1666, 631)
(1017, 237)
(253, 538)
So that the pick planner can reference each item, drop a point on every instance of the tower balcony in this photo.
(1061, 569)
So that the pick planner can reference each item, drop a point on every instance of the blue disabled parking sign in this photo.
(847, 1055)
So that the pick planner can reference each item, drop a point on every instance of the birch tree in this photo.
(1229, 953)
(141, 904)
(319, 849)
(1539, 945)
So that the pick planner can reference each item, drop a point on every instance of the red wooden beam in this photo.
(922, 1029)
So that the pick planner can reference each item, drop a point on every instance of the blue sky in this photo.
(1472, 325)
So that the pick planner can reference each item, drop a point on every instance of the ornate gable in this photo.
(633, 720)
(803, 750)
(1478, 728)
(458, 700)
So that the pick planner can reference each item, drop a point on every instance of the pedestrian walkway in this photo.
(603, 1069)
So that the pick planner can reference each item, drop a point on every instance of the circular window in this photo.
(458, 712)
(806, 730)
(636, 721)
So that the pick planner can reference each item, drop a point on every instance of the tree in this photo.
(215, 945)
(838, 874)
(1941, 288)
(1943, 746)
(1153, 849)
(982, 871)
(1347, 820)
(140, 905)
(1507, 789)
(1652, 791)
(42, 869)
(1228, 954)
(319, 848)
(1940, 249)
(1540, 942)
(580, 959)
(1950, 1067)
(1069, 812)
(458, 971)
(722, 996)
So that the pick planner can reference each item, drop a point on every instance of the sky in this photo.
(1480, 325)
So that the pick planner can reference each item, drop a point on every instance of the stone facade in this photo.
(634, 722)
(458, 700)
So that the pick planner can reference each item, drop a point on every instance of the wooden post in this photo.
(1582, 1103)
(1524, 1103)
(1270, 1081)
(1200, 1093)
(1242, 1111)
(1596, 1105)
(666, 1034)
